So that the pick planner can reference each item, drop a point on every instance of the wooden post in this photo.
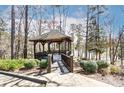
(43, 46)
(49, 63)
(70, 46)
(34, 48)
(59, 47)
(65, 47)
(49, 47)
(54, 46)
(71, 63)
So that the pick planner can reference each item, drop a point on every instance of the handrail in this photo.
(25, 77)
(67, 61)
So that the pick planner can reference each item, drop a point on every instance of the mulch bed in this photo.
(116, 80)
(36, 71)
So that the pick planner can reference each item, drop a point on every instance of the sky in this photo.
(115, 11)
(118, 13)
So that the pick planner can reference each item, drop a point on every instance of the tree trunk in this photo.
(87, 26)
(110, 48)
(26, 31)
(99, 56)
(106, 54)
(98, 38)
(89, 55)
(53, 18)
(121, 57)
(19, 37)
(0, 38)
(60, 19)
(96, 55)
(115, 50)
(12, 31)
(40, 33)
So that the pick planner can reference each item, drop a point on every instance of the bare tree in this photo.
(53, 17)
(21, 15)
(121, 52)
(87, 26)
(26, 31)
(12, 30)
(115, 49)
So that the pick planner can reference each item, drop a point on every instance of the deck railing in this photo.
(67, 61)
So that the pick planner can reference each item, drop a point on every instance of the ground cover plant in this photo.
(11, 65)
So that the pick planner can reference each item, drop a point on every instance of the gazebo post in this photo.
(62, 46)
(35, 48)
(54, 45)
(68, 45)
(43, 45)
(65, 45)
(59, 47)
(49, 47)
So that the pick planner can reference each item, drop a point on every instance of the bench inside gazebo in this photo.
(61, 44)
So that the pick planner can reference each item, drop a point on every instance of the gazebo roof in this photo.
(53, 36)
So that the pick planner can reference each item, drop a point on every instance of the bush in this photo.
(4, 66)
(8, 64)
(43, 63)
(82, 63)
(102, 64)
(89, 67)
(29, 64)
(21, 61)
(105, 71)
(37, 62)
(114, 69)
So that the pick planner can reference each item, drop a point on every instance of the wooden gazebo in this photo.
(54, 36)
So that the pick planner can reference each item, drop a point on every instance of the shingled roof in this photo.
(53, 35)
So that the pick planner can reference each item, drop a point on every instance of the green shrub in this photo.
(4, 66)
(43, 63)
(37, 61)
(13, 67)
(33, 61)
(82, 63)
(114, 69)
(9, 64)
(21, 61)
(105, 71)
(102, 64)
(28, 65)
(89, 67)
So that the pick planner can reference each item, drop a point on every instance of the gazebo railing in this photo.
(67, 61)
